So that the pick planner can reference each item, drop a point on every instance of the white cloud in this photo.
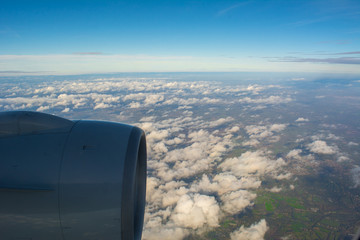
(234, 129)
(321, 147)
(277, 127)
(157, 135)
(101, 105)
(331, 136)
(66, 110)
(148, 119)
(255, 130)
(251, 142)
(342, 158)
(199, 154)
(255, 232)
(294, 154)
(153, 99)
(172, 196)
(301, 119)
(252, 163)
(160, 148)
(283, 176)
(356, 176)
(43, 108)
(275, 189)
(268, 100)
(135, 96)
(220, 121)
(147, 127)
(235, 202)
(196, 211)
(175, 141)
(155, 230)
(48, 89)
(134, 105)
(223, 183)
(353, 144)
(259, 133)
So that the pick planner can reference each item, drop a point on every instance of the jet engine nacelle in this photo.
(70, 180)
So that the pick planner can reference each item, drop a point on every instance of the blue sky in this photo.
(61, 37)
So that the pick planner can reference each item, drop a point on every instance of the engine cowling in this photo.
(70, 180)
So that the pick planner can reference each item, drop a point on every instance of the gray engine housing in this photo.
(70, 180)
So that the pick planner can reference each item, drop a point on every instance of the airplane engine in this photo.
(70, 180)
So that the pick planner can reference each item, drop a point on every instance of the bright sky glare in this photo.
(88, 36)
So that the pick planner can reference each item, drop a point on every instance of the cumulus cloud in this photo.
(220, 121)
(134, 105)
(251, 142)
(157, 135)
(234, 129)
(301, 161)
(255, 232)
(275, 189)
(147, 127)
(174, 141)
(223, 183)
(196, 211)
(295, 154)
(101, 105)
(259, 133)
(321, 147)
(160, 148)
(43, 108)
(283, 176)
(331, 136)
(155, 230)
(164, 194)
(342, 158)
(252, 163)
(66, 110)
(353, 144)
(355, 172)
(202, 149)
(148, 119)
(264, 131)
(134, 96)
(235, 202)
(301, 119)
(153, 99)
(256, 130)
(277, 127)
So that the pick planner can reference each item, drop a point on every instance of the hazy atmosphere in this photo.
(251, 108)
(71, 37)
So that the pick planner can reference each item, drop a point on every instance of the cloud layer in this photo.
(254, 232)
(209, 149)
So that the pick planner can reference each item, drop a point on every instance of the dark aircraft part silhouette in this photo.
(70, 180)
